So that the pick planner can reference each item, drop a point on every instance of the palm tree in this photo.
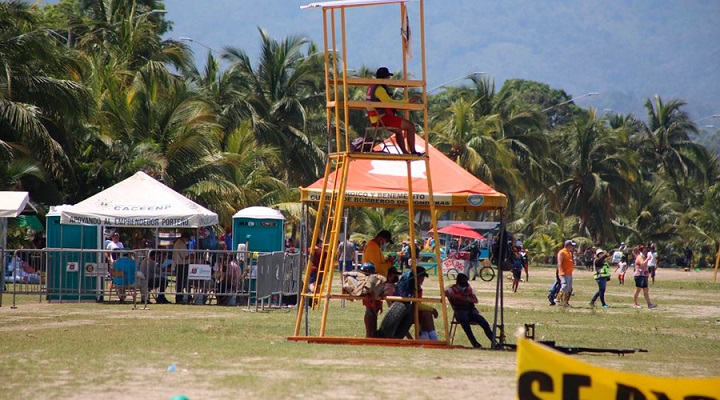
(652, 215)
(668, 147)
(35, 99)
(598, 174)
(704, 222)
(283, 92)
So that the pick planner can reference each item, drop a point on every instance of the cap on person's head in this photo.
(385, 234)
(461, 277)
(383, 72)
(421, 272)
(570, 243)
(599, 252)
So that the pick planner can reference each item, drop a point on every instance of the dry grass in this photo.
(81, 351)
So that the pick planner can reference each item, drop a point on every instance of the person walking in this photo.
(622, 267)
(565, 267)
(641, 277)
(602, 276)
(517, 268)
(652, 261)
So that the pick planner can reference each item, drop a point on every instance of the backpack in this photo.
(406, 285)
(358, 145)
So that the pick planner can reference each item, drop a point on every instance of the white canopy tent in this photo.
(140, 202)
(11, 205)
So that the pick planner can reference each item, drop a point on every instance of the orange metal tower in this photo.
(340, 160)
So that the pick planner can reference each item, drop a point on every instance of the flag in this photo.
(405, 33)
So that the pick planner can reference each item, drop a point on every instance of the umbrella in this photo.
(461, 230)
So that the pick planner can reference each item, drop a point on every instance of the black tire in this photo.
(397, 321)
(451, 274)
(487, 273)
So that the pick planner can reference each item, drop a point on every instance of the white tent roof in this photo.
(12, 203)
(139, 201)
(259, 213)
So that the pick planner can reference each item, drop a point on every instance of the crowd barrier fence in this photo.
(230, 278)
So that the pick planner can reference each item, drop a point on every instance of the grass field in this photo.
(88, 350)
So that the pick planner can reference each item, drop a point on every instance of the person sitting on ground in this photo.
(463, 300)
(402, 126)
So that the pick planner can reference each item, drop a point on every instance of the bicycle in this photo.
(486, 273)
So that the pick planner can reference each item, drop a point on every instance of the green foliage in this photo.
(91, 94)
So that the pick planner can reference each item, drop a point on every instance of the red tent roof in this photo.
(462, 230)
(384, 183)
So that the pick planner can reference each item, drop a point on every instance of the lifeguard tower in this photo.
(332, 200)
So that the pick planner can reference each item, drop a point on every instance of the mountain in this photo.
(627, 50)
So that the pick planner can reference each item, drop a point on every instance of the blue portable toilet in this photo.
(64, 282)
(262, 227)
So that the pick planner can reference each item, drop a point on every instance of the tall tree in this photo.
(667, 147)
(598, 174)
(35, 94)
(284, 89)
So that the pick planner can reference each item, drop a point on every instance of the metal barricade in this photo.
(226, 277)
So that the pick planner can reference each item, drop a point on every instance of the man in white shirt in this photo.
(112, 245)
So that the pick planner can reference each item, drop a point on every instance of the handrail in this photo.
(363, 105)
(354, 81)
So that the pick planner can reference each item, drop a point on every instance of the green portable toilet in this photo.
(264, 226)
(66, 275)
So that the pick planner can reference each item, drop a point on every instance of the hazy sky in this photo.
(626, 50)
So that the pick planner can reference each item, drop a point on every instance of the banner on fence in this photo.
(200, 272)
(547, 374)
(96, 269)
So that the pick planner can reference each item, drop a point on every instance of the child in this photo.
(517, 268)
(622, 267)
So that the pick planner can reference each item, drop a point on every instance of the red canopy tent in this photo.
(384, 183)
(462, 230)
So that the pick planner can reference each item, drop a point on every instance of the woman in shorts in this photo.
(641, 277)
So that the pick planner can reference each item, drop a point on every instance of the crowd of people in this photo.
(642, 259)
(377, 281)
